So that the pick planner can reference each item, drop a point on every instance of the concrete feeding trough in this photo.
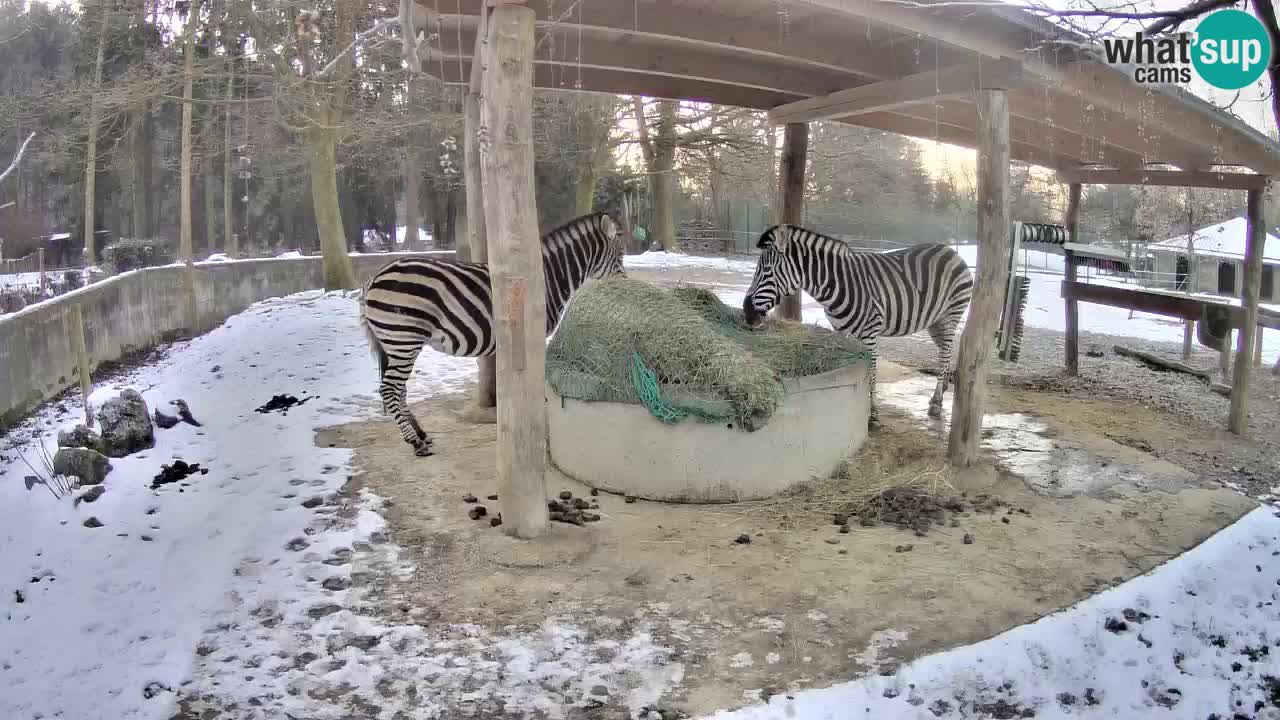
(622, 448)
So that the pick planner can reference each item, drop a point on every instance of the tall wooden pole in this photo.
(993, 270)
(1073, 308)
(791, 173)
(477, 239)
(515, 253)
(1238, 420)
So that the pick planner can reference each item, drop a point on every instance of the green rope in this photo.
(645, 382)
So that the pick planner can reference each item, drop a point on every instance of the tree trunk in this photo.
(230, 240)
(412, 188)
(323, 152)
(519, 300)
(188, 59)
(664, 177)
(211, 181)
(91, 153)
(477, 238)
(288, 211)
(791, 173)
(973, 359)
(140, 165)
(593, 126)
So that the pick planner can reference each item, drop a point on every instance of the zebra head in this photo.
(609, 263)
(776, 275)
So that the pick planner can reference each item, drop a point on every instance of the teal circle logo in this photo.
(1232, 49)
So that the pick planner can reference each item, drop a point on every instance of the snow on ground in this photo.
(1195, 644)
(109, 610)
(228, 584)
(655, 260)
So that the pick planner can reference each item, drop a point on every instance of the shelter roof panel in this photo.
(1070, 111)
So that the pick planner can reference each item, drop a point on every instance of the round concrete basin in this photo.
(621, 448)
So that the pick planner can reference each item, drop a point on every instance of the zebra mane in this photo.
(795, 233)
(588, 226)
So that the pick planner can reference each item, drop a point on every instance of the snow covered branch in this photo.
(16, 158)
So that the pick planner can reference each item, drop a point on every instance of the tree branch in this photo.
(1174, 19)
(16, 158)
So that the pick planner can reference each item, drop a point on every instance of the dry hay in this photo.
(684, 353)
(901, 479)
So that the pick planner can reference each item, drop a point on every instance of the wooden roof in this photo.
(875, 63)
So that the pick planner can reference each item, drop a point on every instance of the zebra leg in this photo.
(395, 402)
(873, 420)
(944, 336)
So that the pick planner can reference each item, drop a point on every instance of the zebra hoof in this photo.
(873, 423)
(935, 411)
(423, 451)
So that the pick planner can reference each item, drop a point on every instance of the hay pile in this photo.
(683, 353)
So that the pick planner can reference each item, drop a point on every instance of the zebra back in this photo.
(909, 288)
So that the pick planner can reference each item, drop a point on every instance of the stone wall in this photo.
(137, 310)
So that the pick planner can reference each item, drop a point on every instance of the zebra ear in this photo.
(608, 226)
(781, 238)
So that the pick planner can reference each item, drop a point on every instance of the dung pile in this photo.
(684, 353)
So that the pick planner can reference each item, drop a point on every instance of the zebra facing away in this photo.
(868, 295)
(447, 305)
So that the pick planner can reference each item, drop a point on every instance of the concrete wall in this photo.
(621, 448)
(137, 310)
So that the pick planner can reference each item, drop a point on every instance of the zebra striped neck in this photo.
(819, 264)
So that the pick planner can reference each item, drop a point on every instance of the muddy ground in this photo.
(802, 604)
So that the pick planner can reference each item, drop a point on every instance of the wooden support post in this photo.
(1072, 307)
(515, 254)
(1190, 286)
(1238, 420)
(791, 174)
(44, 282)
(993, 250)
(477, 239)
(81, 351)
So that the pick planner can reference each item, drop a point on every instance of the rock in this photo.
(80, 437)
(164, 422)
(91, 495)
(477, 512)
(599, 690)
(743, 539)
(89, 466)
(184, 412)
(968, 538)
(126, 424)
(93, 522)
(495, 521)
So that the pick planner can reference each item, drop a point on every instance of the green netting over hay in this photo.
(684, 353)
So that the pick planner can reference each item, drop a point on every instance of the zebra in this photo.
(868, 295)
(448, 306)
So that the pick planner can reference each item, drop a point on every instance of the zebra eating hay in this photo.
(868, 295)
(448, 306)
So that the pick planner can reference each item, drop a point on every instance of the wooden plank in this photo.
(1165, 178)
(791, 174)
(974, 357)
(1238, 418)
(1159, 303)
(949, 83)
(511, 220)
(1072, 221)
(1160, 363)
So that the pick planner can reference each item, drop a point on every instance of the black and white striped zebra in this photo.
(868, 295)
(447, 305)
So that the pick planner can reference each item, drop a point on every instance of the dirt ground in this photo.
(1089, 504)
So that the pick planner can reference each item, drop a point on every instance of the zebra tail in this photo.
(375, 346)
